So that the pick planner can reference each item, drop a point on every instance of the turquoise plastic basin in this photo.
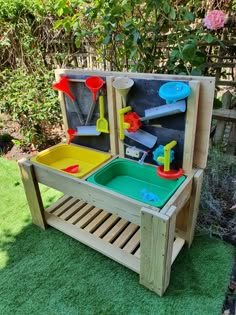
(136, 181)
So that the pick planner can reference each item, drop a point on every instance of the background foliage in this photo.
(146, 36)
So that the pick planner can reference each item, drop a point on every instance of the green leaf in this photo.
(58, 24)
(119, 37)
(75, 25)
(166, 8)
(77, 42)
(188, 52)
(209, 38)
(60, 11)
(107, 39)
(172, 13)
(133, 53)
(189, 16)
(196, 72)
(136, 37)
(174, 53)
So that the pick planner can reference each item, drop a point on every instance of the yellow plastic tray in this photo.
(63, 156)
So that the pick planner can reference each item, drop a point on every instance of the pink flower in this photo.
(214, 20)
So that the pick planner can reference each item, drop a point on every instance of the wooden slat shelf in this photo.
(122, 238)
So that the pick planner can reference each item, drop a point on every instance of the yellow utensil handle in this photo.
(101, 106)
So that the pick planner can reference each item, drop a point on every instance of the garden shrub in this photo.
(30, 100)
(144, 36)
(219, 195)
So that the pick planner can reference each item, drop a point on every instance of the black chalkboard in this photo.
(143, 95)
(84, 100)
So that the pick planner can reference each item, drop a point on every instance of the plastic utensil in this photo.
(164, 110)
(171, 174)
(134, 120)
(174, 91)
(123, 125)
(71, 133)
(143, 137)
(94, 84)
(87, 131)
(71, 169)
(123, 86)
(63, 86)
(102, 123)
(164, 170)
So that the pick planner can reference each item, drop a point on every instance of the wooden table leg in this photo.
(157, 237)
(32, 193)
(194, 206)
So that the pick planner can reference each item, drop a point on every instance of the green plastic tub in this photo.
(136, 181)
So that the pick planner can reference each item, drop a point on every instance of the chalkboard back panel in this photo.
(147, 97)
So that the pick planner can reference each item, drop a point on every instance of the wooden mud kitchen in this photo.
(131, 172)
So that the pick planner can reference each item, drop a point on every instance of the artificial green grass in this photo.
(47, 272)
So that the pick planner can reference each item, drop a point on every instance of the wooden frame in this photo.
(143, 238)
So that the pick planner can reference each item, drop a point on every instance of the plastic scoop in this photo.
(71, 169)
(94, 84)
(102, 123)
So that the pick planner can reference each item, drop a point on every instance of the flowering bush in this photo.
(214, 20)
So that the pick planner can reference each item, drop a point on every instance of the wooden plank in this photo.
(88, 217)
(116, 230)
(171, 213)
(97, 221)
(226, 83)
(61, 201)
(119, 105)
(106, 226)
(220, 125)
(32, 193)
(65, 206)
(154, 240)
(133, 243)
(190, 126)
(177, 246)
(206, 97)
(112, 116)
(137, 253)
(80, 214)
(148, 76)
(125, 235)
(98, 244)
(62, 105)
(105, 199)
(181, 195)
(72, 210)
(194, 206)
(182, 220)
(224, 114)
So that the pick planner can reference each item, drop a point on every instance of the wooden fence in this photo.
(224, 130)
